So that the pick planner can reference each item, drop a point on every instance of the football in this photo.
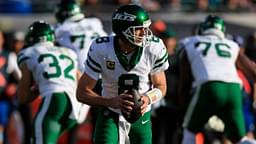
(134, 115)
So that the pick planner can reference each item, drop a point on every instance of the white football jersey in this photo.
(54, 69)
(212, 59)
(118, 73)
(78, 35)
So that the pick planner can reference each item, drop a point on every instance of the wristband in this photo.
(154, 95)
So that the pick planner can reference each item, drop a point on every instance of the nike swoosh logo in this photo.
(143, 122)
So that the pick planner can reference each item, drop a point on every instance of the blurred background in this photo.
(182, 15)
(172, 21)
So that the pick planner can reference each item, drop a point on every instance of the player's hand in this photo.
(145, 100)
(123, 102)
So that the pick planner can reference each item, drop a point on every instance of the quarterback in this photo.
(131, 59)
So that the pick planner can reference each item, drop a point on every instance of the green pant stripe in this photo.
(38, 129)
(53, 118)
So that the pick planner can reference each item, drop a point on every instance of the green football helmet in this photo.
(39, 31)
(127, 19)
(213, 22)
(67, 9)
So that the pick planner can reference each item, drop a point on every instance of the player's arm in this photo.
(159, 82)
(85, 94)
(26, 92)
(246, 65)
(249, 69)
(158, 92)
(86, 83)
(157, 76)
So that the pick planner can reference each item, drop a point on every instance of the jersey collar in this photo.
(127, 65)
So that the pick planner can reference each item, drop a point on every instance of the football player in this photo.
(76, 31)
(132, 58)
(208, 65)
(50, 71)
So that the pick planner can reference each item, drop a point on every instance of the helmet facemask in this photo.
(132, 22)
(138, 40)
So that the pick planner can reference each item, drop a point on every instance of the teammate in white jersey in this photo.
(76, 31)
(50, 71)
(209, 62)
(132, 58)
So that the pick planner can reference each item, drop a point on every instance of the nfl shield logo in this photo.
(110, 65)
